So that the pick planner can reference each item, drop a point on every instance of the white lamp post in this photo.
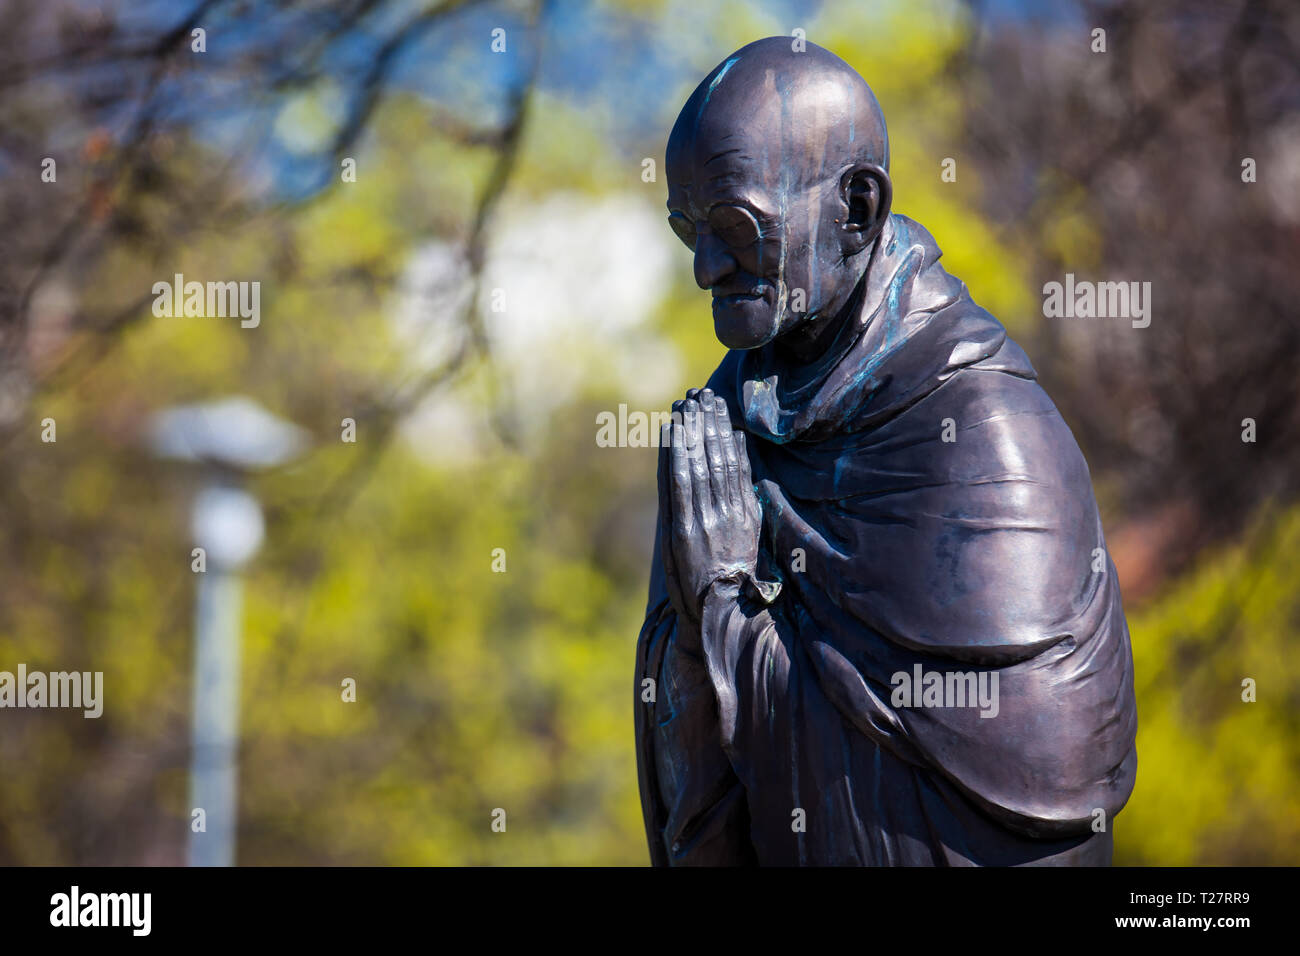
(229, 438)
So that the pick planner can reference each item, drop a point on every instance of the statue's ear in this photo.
(867, 194)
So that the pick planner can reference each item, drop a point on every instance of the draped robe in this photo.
(773, 737)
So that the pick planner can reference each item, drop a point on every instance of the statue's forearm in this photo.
(743, 648)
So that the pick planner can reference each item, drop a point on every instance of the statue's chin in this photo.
(744, 323)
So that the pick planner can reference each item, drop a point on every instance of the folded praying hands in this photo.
(706, 493)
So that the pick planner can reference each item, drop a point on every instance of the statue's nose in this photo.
(713, 260)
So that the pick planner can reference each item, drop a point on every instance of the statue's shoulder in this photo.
(1005, 409)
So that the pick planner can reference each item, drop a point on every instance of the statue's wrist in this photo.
(723, 586)
(727, 585)
(742, 582)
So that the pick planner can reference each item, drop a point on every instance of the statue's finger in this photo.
(665, 440)
(713, 454)
(731, 460)
(695, 456)
(747, 490)
(742, 453)
(680, 470)
(666, 504)
(722, 412)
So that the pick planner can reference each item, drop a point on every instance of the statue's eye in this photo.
(735, 225)
(684, 228)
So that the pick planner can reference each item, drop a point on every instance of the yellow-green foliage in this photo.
(1219, 778)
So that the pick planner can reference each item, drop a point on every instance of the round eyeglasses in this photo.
(734, 225)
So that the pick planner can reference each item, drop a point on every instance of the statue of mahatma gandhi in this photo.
(883, 629)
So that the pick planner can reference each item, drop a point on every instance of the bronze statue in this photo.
(883, 628)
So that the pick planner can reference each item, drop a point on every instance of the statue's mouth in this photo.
(728, 298)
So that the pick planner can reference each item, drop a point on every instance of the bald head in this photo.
(810, 109)
(778, 181)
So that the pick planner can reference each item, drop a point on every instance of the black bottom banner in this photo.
(617, 906)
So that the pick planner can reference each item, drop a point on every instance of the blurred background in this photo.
(463, 251)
